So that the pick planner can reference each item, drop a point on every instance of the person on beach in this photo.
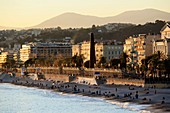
(163, 100)
(136, 95)
(52, 87)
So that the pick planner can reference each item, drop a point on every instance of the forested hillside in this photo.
(101, 32)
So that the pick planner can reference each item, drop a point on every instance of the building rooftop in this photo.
(161, 40)
(54, 45)
(166, 25)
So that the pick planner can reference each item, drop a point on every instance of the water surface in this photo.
(20, 99)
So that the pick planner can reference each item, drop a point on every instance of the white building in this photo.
(25, 52)
(163, 44)
(45, 50)
(76, 49)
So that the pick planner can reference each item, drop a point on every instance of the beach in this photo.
(157, 100)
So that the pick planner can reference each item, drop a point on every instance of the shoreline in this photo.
(110, 93)
(123, 105)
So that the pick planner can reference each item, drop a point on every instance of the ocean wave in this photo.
(130, 106)
(124, 105)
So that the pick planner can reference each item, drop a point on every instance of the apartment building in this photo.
(26, 51)
(163, 44)
(45, 50)
(139, 47)
(112, 50)
(5, 56)
(129, 49)
(85, 50)
(109, 50)
(76, 49)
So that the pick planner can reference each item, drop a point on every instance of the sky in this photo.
(26, 13)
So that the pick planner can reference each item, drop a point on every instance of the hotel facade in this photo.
(108, 50)
(45, 50)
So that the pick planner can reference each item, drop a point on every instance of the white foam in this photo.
(125, 105)
(130, 106)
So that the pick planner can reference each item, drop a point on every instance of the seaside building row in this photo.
(141, 46)
(20, 54)
(136, 47)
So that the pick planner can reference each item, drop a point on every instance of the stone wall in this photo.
(118, 81)
(56, 77)
(157, 85)
(86, 80)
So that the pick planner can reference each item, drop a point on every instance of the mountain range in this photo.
(74, 20)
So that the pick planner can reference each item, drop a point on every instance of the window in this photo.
(168, 34)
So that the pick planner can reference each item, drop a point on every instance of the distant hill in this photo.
(75, 20)
(72, 20)
(101, 33)
(119, 33)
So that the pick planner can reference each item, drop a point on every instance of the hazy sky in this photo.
(25, 13)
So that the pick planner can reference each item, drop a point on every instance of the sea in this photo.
(21, 99)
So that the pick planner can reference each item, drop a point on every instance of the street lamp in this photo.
(109, 65)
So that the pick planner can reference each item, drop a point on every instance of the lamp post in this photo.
(119, 66)
(109, 65)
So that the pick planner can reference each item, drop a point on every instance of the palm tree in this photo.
(40, 62)
(167, 68)
(80, 61)
(123, 60)
(30, 61)
(143, 68)
(114, 62)
(102, 62)
(155, 65)
(77, 60)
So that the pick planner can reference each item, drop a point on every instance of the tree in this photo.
(123, 60)
(87, 64)
(77, 61)
(114, 63)
(30, 61)
(58, 62)
(40, 62)
(102, 62)
(155, 66)
(167, 68)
